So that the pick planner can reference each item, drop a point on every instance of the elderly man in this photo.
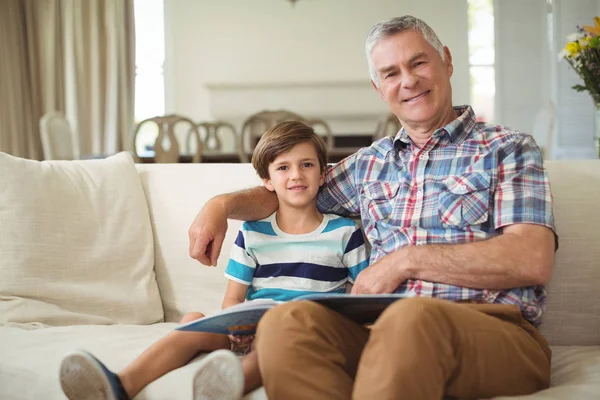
(459, 215)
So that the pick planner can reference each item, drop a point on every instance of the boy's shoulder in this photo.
(335, 222)
(264, 226)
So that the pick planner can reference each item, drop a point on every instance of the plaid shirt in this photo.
(468, 181)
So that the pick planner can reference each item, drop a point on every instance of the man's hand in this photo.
(382, 277)
(207, 233)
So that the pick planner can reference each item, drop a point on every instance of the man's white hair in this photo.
(390, 27)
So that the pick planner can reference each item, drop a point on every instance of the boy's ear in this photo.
(268, 185)
(322, 178)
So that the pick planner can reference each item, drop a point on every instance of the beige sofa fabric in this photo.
(572, 314)
(75, 243)
(175, 194)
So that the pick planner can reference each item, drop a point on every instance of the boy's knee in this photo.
(191, 316)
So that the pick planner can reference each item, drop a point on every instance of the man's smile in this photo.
(415, 98)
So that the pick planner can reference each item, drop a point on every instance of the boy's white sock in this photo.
(219, 377)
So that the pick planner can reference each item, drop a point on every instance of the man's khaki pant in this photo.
(419, 348)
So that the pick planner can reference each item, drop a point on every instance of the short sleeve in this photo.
(339, 194)
(241, 265)
(356, 257)
(522, 193)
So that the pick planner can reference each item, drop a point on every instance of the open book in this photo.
(243, 318)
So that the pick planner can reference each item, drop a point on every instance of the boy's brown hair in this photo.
(281, 138)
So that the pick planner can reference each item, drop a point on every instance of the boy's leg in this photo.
(307, 351)
(172, 351)
(252, 378)
(424, 348)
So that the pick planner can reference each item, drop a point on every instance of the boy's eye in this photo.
(282, 168)
(307, 164)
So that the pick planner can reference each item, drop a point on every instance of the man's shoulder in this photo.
(496, 135)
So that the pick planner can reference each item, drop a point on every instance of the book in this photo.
(242, 319)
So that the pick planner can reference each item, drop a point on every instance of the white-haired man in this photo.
(459, 215)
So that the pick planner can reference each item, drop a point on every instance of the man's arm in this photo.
(522, 255)
(210, 225)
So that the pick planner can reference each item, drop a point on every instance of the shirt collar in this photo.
(455, 131)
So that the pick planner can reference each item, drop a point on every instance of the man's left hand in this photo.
(382, 277)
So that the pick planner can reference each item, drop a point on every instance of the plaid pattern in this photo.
(468, 181)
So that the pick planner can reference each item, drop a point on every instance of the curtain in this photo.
(73, 56)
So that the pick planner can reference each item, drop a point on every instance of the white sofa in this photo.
(94, 255)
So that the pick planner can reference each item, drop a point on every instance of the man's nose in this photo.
(409, 80)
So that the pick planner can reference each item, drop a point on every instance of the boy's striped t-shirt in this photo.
(282, 266)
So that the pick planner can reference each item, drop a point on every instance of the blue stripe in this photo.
(263, 227)
(334, 224)
(356, 240)
(282, 294)
(239, 271)
(302, 270)
(355, 270)
(239, 241)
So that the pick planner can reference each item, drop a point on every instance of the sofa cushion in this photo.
(75, 243)
(572, 314)
(175, 193)
(29, 366)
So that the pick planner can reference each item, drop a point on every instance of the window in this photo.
(482, 58)
(149, 60)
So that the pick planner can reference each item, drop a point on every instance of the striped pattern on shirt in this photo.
(281, 266)
(468, 181)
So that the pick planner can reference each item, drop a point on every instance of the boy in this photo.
(295, 251)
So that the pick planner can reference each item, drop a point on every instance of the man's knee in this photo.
(289, 316)
(415, 313)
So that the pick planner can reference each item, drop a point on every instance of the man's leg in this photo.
(307, 351)
(424, 348)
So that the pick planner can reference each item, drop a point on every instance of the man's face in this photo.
(412, 78)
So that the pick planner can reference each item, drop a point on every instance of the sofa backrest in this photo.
(572, 314)
(176, 192)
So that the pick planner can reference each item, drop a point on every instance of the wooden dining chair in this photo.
(257, 124)
(166, 146)
(388, 126)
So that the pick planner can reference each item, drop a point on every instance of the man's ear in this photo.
(268, 185)
(449, 66)
(377, 89)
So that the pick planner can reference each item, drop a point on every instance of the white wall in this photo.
(229, 58)
(522, 64)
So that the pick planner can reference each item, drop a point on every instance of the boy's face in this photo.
(296, 176)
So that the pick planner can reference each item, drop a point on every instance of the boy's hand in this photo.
(241, 343)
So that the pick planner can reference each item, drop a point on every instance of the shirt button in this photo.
(419, 193)
(423, 156)
(420, 243)
(463, 187)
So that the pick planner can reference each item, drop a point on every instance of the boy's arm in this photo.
(356, 254)
(235, 294)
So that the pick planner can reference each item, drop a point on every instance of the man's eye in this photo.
(418, 64)
(391, 74)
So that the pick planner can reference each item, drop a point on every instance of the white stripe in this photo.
(295, 283)
(355, 256)
(238, 254)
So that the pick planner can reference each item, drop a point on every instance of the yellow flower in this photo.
(572, 48)
(584, 42)
(594, 30)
